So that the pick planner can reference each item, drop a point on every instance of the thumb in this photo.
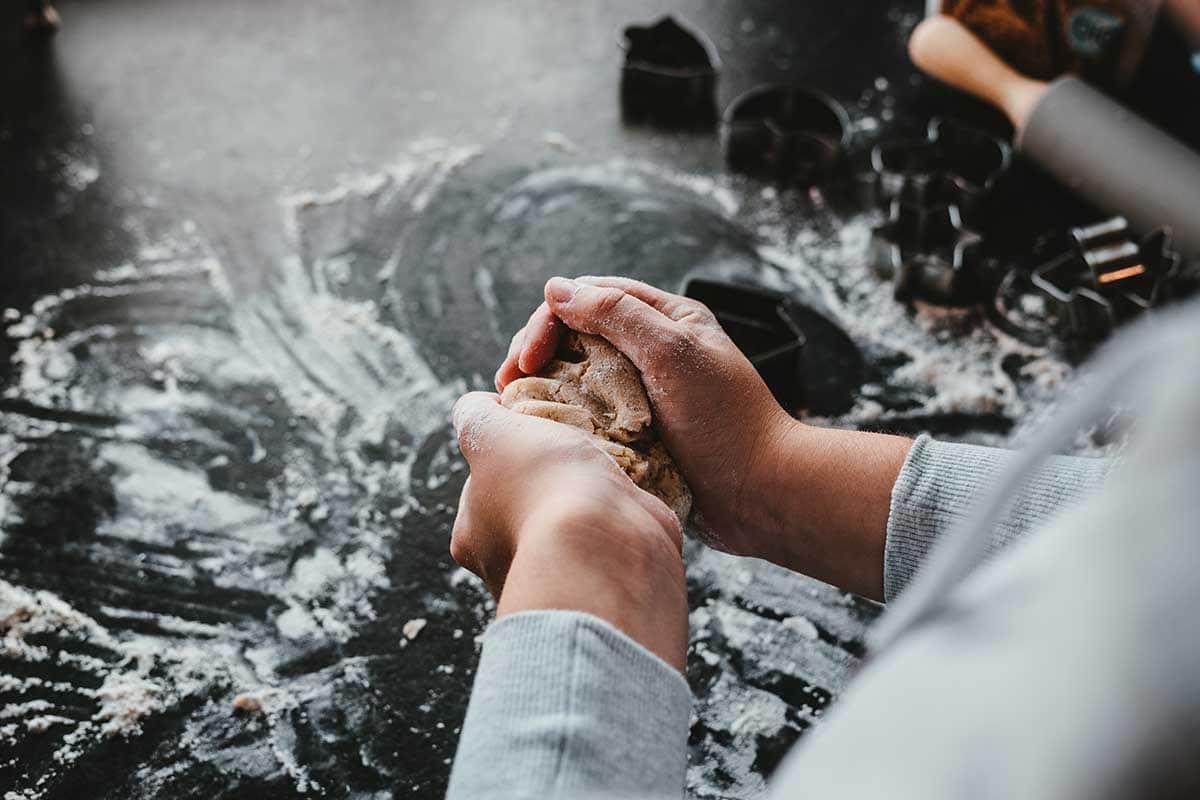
(637, 329)
(478, 420)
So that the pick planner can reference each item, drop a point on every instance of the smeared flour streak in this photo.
(251, 464)
(316, 550)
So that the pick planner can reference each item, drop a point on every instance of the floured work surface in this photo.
(225, 513)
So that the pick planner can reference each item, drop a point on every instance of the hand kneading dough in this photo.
(592, 386)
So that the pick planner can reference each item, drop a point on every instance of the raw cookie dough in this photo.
(592, 386)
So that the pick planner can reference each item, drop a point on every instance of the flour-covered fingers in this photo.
(545, 326)
(640, 331)
(482, 425)
(495, 440)
(509, 371)
(675, 306)
(541, 340)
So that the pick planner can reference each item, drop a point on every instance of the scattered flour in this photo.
(560, 142)
(349, 380)
(79, 173)
(321, 543)
(129, 691)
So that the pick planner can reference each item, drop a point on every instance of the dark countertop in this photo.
(253, 251)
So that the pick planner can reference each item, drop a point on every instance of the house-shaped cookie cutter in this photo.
(669, 78)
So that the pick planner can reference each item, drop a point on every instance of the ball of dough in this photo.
(591, 385)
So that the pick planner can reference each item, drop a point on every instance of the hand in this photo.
(765, 485)
(715, 414)
(548, 520)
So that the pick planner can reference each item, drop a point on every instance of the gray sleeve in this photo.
(941, 482)
(567, 706)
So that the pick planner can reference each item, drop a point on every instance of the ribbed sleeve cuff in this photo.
(942, 482)
(565, 705)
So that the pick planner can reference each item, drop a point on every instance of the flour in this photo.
(78, 173)
(802, 626)
(258, 467)
(162, 406)
(559, 141)
(125, 701)
(127, 694)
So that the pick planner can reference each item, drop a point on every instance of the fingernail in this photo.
(561, 290)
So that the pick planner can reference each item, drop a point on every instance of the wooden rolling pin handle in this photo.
(943, 48)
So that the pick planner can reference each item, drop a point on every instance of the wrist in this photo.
(826, 499)
(766, 501)
(613, 560)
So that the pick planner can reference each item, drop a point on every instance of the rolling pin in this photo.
(1090, 143)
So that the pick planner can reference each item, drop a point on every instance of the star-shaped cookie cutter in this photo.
(925, 248)
(1106, 279)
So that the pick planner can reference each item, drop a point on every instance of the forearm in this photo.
(825, 509)
(862, 511)
(623, 569)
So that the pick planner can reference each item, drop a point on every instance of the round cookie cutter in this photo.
(970, 160)
(788, 134)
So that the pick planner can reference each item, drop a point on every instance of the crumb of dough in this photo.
(413, 628)
(592, 386)
(247, 703)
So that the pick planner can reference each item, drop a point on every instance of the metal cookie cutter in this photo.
(925, 248)
(969, 160)
(785, 133)
(670, 75)
(806, 360)
(1106, 279)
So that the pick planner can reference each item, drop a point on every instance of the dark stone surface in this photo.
(224, 458)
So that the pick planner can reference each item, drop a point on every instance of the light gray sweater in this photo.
(1067, 667)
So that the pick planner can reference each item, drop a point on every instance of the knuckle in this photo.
(518, 339)
(469, 437)
(608, 301)
(666, 518)
(470, 417)
(700, 313)
(675, 342)
(462, 428)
